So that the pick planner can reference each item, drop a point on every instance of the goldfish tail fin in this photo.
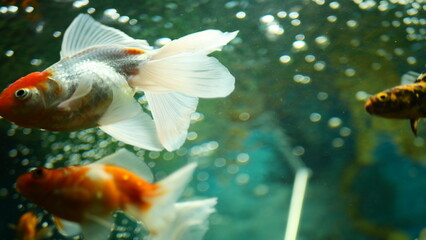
(161, 211)
(176, 75)
(191, 221)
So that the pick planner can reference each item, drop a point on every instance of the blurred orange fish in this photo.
(100, 70)
(83, 198)
(27, 228)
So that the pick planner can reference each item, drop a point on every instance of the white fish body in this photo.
(101, 68)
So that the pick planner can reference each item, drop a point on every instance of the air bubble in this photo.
(337, 142)
(293, 15)
(334, 122)
(299, 44)
(240, 15)
(361, 96)
(322, 96)
(244, 116)
(298, 151)
(243, 158)
(285, 59)
(334, 5)
(282, 14)
(192, 136)
(243, 178)
(315, 117)
(9, 53)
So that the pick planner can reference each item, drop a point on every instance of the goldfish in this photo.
(82, 199)
(27, 228)
(101, 69)
(407, 101)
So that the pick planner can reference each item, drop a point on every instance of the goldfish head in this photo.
(36, 184)
(405, 101)
(24, 101)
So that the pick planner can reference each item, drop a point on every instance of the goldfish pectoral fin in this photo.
(413, 124)
(84, 87)
(96, 228)
(67, 228)
(85, 32)
(13, 226)
(125, 159)
(138, 131)
(191, 221)
(172, 116)
(162, 212)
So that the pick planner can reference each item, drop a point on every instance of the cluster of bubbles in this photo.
(406, 14)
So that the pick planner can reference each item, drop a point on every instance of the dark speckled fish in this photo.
(406, 101)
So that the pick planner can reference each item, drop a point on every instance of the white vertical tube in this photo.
(296, 203)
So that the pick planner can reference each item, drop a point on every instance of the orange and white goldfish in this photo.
(27, 228)
(83, 198)
(100, 70)
(407, 101)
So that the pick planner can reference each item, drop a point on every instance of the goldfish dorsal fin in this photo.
(205, 42)
(125, 159)
(409, 77)
(85, 32)
(67, 228)
(421, 77)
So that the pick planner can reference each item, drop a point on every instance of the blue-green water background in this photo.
(303, 71)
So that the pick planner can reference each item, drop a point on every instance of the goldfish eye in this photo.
(38, 173)
(22, 94)
(383, 97)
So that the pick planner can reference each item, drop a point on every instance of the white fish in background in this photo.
(100, 70)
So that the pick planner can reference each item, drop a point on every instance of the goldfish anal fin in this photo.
(85, 32)
(45, 233)
(138, 131)
(171, 112)
(413, 124)
(125, 159)
(96, 228)
(125, 120)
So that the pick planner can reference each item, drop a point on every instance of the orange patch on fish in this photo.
(134, 51)
(33, 79)
(131, 187)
